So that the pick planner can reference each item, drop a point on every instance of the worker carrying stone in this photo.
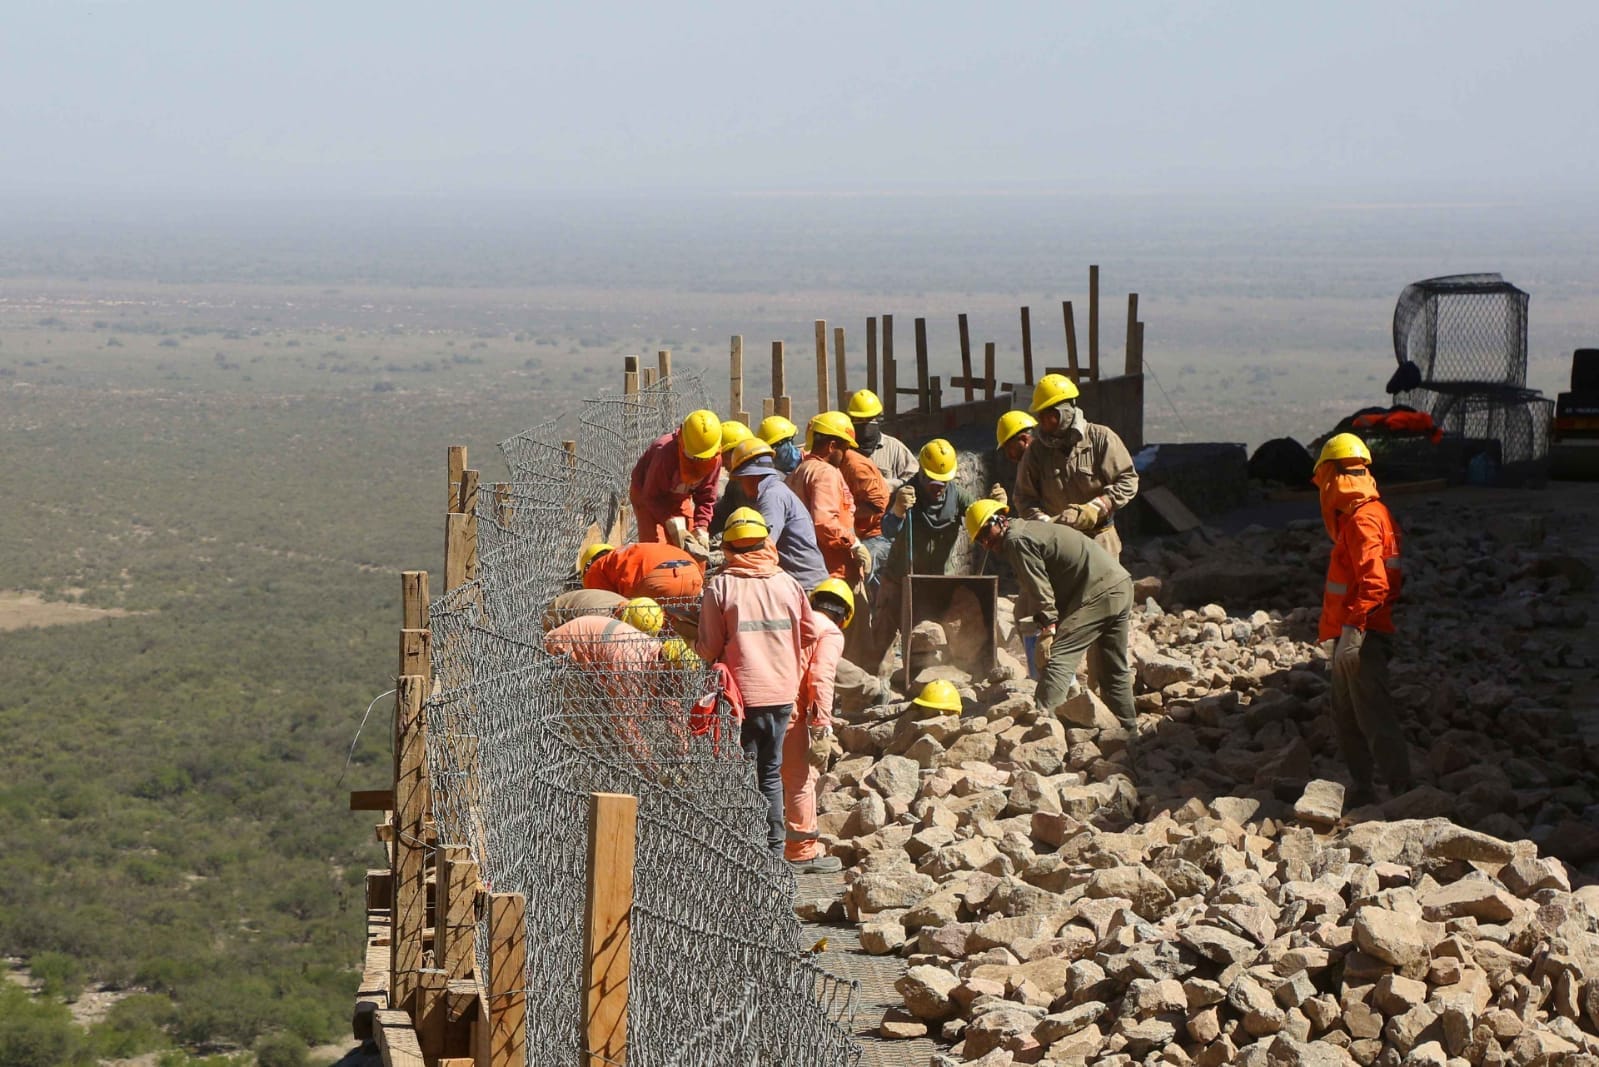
(676, 478)
(1074, 471)
(1364, 575)
(809, 741)
(891, 455)
(1082, 599)
(756, 621)
(789, 525)
(820, 486)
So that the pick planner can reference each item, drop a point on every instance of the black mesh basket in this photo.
(1462, 328)
(1504, 432)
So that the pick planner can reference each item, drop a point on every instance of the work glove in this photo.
(997, 492)
(1042, 647)
(1346, 654)
(904, 499)
(1084, 517)
(824, 746)
(863, 558)
(702, 537)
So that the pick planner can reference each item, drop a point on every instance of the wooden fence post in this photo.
(410, 809)
(413, 600)
(1093, 323)
(1073, 367)
(1027, 346)
(1132, 334)
(782, 403)
(966, 356)
(663, 364)
(924, 401)
(871, 352)
(503, 1036)
(607, 926)
(990, 386)
(822, 369)
(455, 463)
(735, 379)
(841, 368)
(890, 393)
(629, 375)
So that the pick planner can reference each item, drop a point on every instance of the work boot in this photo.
(817, 865)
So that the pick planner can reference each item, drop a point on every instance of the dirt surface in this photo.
(22, 611)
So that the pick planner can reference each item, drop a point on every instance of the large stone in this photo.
(1395, 994)
(1051, 1028)
(1322, 803)
(894, 776)
(1216, 944)
(1475, 896)
(1390, 937)
(1137, 883)
(1285, 1051)
(1261, 1015)
(927, 992)
(881, 890)
(1146, 997)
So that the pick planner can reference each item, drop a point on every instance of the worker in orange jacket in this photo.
(809, 738)
(822, 489)
(1364, 575)
(666, 574)
(676, 477)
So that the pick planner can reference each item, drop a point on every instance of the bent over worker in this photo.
(1363, 580)
(1083, 598)
(755, 620)
(810, 730)
(657, 570)
(676, 478)
(1074, 471)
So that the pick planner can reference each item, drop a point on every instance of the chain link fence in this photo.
(528, 719)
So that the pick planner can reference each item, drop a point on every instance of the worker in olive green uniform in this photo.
(1083, 600)
(1074, 471)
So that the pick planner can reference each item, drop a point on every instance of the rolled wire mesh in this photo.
(537, 707)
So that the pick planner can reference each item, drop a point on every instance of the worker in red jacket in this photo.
(1363, 580)
(676, 478)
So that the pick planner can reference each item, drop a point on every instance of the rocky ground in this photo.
(1224, 907)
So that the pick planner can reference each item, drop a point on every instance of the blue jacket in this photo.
(792, 532)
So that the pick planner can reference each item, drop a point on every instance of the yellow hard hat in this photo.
(745, 524)
(864, 405)
(937, 458)
(1012, 423)
(701, 436)
(753, 448)
(643, 613)
(830, 423)
(1342, 446)
(1053, 389)
(839, 588)
(775, 428)
(675, 651)
(733, 432)
(592, 553)
(939, 695)
(979, 513)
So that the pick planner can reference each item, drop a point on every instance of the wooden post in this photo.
(570, 459)
(460, 549)
(505, 1032)
(414, 652)
(663, 364)
(409, 914)
(647, 377)
(823, 389)
(1132, 334)
(871, 352)
(1072, 365)
(629, 375)
(468, 502)
(782, 403)
(413, 600)
(1093, 323)
(890, 393)
(607, 926)
(1138, 351)
(456, 463)
(966, 355)
(430, 1013)
(1027, 346)
(735, 375)
(455, 908)
(840, 368)
(935, 394)
(989, 384)
(924, 401)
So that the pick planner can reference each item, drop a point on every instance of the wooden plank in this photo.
(1138, 337)
(1132, 334)
(371, 800)
(890, 393)
(871, 352)
(458, 547)
(989, 355)
(414, 599)
(455, 462)
(431, 1013)
(735, 379)
(397, 1040)
(607, 926)
(506, 995)
(469, 483)
(411, 806)
(629, 375)
(779, 381)
(923, 385)
(768, 407)
(414, 653)
(456, 924)
(823, 368)
(646, 377)
(935, 394)
(1093, 323)
(966, 355)
(1172, 511)
(1027, 345)
(840, 368)
(1073, 367)
(784, 406)
(663, 364)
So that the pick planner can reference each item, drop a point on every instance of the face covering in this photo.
(787, 456)
(933, 492)
(868, 435)
(1062, 432)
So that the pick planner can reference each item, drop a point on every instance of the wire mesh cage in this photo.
(1462, 328)
(1505, 433)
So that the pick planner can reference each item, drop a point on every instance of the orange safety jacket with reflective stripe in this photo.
(1364, 573)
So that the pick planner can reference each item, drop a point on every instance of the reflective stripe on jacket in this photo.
(1364, 572)
(760, 625)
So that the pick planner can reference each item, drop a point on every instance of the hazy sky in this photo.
(343, 97)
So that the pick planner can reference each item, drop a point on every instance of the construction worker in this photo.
(734, 433)
(821, 488)
(757, 622)
(660, 571)
(809, 738)
(896, 462)
(779, 432)
(1364, 576)
(1074, 471)
(939, 697)
(618, 665)
(1013, 433)
(788, 523)
(676, 478)
(570, 605)
(1083, 598)
(870, 492)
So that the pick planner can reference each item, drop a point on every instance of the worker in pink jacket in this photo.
(676, 478)
(810, 729)
(754, 619)
(619, 664)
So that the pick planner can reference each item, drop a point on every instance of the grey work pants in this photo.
(1363, 714)
(762, 739)
(1099, 629)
